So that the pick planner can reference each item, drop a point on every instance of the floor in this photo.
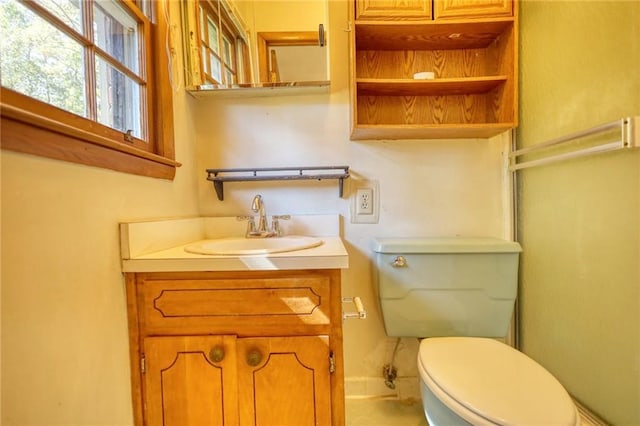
(384, 412)
(393, 412)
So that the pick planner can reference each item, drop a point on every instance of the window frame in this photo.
(224, 31)
(227, 30)
(34, 127)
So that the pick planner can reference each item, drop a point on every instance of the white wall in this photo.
(427, 188)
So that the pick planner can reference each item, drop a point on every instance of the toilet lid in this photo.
(494, 381)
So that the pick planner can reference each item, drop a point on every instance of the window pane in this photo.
(215, 68)
(68, 11)
(116, 32)
(205, 63)
(213, 35)
(147, 8)
(202, 15)
(227, 51)
(118, 99)
(39, 61)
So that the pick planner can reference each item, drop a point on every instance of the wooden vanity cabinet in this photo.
(471, 47)
(236, 348)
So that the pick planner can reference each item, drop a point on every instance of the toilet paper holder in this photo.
(360, 312)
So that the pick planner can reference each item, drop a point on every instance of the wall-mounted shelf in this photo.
(219, 176)
(473, 57)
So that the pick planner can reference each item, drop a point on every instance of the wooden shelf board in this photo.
(429, 35)
(437, 87)
(444, 131)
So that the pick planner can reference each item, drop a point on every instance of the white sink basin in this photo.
(247, 246)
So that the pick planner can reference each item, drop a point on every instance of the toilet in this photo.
(458, 295)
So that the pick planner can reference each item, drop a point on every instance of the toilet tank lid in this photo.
(444, 245)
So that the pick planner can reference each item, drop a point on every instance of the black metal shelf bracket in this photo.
(219, 176)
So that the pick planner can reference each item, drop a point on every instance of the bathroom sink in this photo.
(247, 246)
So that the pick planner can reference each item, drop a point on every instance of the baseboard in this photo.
(589, 418)
(406, 388)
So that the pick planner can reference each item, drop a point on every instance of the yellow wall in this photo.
(65, 354)
(64, 332)
(579, 220)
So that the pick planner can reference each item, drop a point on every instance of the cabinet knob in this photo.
(216, 354)
(254, 358)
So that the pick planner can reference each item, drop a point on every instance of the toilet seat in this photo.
(489, 383)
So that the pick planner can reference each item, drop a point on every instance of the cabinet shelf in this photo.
(474, 59)
(429, 35)
(438, 87)
(425, 131)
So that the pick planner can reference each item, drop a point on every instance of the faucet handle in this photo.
(251, 223)
(275, 223)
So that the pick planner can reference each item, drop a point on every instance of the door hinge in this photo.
(332, 363)
(143, 367)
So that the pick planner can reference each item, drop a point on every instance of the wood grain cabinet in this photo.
(393, 9)
(471, 8)
(426, 9)
(469, 46)
(241, 348)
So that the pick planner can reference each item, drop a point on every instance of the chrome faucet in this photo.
(257, 205)
(262, 230)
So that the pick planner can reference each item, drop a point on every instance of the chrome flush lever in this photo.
(399, 262)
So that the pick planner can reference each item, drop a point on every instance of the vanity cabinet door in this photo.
(229, 381)
(190, 380)
(284, 381)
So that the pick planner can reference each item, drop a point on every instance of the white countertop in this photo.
(158, 246)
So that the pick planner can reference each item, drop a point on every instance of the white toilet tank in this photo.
(446, 286)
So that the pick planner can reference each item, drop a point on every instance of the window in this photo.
(218, 61)
(222, 48)
(88, 81)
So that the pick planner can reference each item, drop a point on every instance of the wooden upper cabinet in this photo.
(469, 52)
(393, 9)
(390, 10)
(471, 8)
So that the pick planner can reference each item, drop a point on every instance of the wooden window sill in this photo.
(63, 144)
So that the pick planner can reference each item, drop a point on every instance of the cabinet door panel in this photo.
(185, 386)
(393, 9)
(471, 8)
(286, 383)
